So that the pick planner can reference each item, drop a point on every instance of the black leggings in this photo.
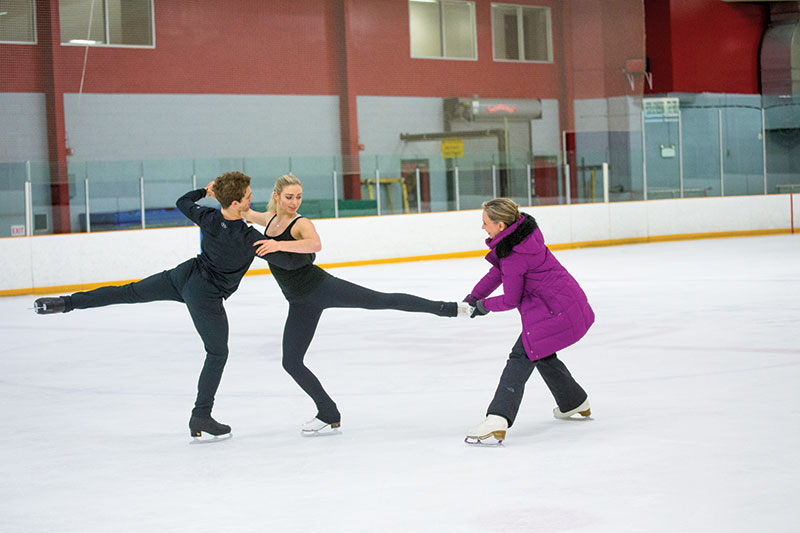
(304, 315)
(508, 396)
(185, 284)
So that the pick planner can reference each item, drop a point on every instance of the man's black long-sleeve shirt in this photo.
(227, 246)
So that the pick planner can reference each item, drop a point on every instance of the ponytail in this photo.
(502, 210)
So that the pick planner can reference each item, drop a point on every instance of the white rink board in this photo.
(57, 260)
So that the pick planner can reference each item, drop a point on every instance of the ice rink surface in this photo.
(692, 369)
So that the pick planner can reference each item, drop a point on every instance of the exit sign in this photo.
(18, 231)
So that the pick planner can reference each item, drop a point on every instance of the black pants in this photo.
(508, 396)
(185, 284)
(304, 315)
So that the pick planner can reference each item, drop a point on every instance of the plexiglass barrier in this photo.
(703, 147)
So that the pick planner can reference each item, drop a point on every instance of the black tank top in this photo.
(296, 273)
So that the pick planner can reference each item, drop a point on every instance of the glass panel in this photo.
(129, 22)
(316, 175)
(79, 22)
(349, 205)
(663, 159)
(782, 124)
(114, 195)
(592, 150)
(547, 177)
(517, 177)
(263, 172)
(164, 183)
(459, 29)
(536, 34)
(17, 21)
(12, 199)
(47, 216)
(701, 168)
(505, 30)
(367, 187)
(425, 28)
(477, 182)
(742, 150)
(626, 168)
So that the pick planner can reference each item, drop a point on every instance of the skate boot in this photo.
(199, 425)
(465, 310)
(583, 410)
(49, 306)
(494, 426)
(317, 427)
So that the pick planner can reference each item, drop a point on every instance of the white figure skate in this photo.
(583, 410)
(491, 431)
(317, 427)
(464, 310)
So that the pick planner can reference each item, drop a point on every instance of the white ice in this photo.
(692, 368)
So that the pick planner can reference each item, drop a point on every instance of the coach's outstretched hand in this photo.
(479, 309)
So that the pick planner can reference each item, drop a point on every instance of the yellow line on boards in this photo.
(66, 289)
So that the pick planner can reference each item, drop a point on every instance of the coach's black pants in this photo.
(185, 284)
(304, 315)
(508, 396)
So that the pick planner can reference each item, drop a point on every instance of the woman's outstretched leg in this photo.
(335, 292)
(297, 336)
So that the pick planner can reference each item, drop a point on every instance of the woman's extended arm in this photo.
(487, 284)
(513, 288)
(257, 217)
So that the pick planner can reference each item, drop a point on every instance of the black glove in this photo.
(479, 309)
(470, 299)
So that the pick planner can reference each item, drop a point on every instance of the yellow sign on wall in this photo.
(453, 147)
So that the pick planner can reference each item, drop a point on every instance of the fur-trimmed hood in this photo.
(505, 241)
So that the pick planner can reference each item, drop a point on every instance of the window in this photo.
(442, 28)
(107, 22)
(17, 21)
(522, 33)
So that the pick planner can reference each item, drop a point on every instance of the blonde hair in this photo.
(280, 183)
(502, 210)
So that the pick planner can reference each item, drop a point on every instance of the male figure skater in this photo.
(202, 283)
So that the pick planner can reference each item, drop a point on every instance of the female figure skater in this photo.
(290, 246)
(555, 314)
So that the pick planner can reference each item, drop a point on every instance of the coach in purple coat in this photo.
(554, 311)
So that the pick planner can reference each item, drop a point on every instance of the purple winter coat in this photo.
(554, 310)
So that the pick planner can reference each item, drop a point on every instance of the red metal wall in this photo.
(381, 62)
(705, 45)
(213, 46)
(285, 47)
(282, 47)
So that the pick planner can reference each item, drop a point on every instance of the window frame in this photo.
(106, 32)
(443, 34)
(521, 32)
(35, 40)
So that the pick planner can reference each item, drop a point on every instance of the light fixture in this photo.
(82, 41)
